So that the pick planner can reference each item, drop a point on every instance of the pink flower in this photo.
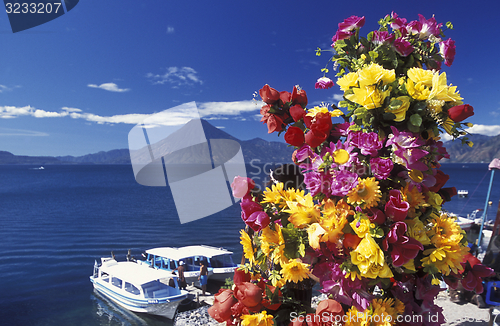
(381, 167)
(253, 214)
(396, 208)
(368, 142)
(323, 83)
(340, 35)
(351, 23)
(429, 27)
(241, 186)
(403, 47)
(397, 22)
(377, 217)
(380, 37)
(343, 182)
(448, 50)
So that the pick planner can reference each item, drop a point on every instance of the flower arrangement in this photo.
(368, 227)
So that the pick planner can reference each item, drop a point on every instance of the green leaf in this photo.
(370, 36)
(395, 104)
(419, 106)
(388, 116)
(416, 120)
(412, 127)
(343, 104)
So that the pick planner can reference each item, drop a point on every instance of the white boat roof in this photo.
(189, 251)
(133, 273)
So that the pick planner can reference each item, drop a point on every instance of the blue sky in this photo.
(78, 84)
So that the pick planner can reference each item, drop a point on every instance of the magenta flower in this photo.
(340, 35)
(241, 186)
(429, 27)
(343, 182)
(377, 217)
(323, 83)
(381, 167)
(352, 23)
(341, 129)
(380, 37)
(396, 208)
(448, 50)
(398, 23)
(405, 146)
(253, 214)
(368, 142)
(318, 183)
(403, 47)
(475, 272)
(333, 148)
(404, 248)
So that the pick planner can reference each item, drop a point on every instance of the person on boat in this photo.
(203, 278)
(182, 278)
(130, 257)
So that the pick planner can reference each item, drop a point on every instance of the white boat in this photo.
(137, 287)
(220, 263)
(463, 193)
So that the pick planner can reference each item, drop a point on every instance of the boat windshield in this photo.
(221, 261)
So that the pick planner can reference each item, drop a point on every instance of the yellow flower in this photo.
(248, 249)
(340, 156)
(295, 271)
(303, 211)
(347, 81)
(315, 232)
(400, 111)
(366, 193)
(334, 219)
(323, 109)
(368, 96)
(384, 312)
(441, 91)
(445, 231)
(448, 125)
(434, 199)
(444, 259)
(369, 259)
(275, 195)
(260, 319)
(416, 230)
(419, 75)
(418, 91)
(412, 196)
(361, 226)
(354, 317)
(273, 244)
(375, 73)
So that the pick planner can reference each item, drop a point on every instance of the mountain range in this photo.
(484, 150)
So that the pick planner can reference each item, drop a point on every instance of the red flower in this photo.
(315, 138)
(297, 112)
(299, 97)
(441, 179)
(460, 112)
(396, 208)
(266, 302)
(240, 277)
(221, 309)
(269, 94)
(475, 272)
(274, 123)
(377, 217)
(328, 310)
(294, 136)
(248, 294)
(351, 241)
(285, 97)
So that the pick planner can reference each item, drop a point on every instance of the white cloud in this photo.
(170, 30)
(176, 77)
(228, 108)
(112, 87)
(488, 130)
(21, 132)
(338, 97)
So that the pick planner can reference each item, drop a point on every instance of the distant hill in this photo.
(116, 156)
(9, 158)
(485, 149)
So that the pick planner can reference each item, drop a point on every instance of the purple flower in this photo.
(253, 214)
(340, 35)
(429, 27)
(381, 167)
(335, 149)
(323, 83)
(318, 183)
(448, 50)
(403, 47)
(405, 146)
(380, 37)
(396, 208)
(303, 153)
(341, 129)
(367, 142)
(343, 182)
(404, 248)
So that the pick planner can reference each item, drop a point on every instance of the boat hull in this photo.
(221, 274)
(165, 308)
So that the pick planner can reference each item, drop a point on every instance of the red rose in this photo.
(269, 94)
(377, 217)
(294, 136)
(460, 112)
(274, 123)
(248, 294)
(285, 97)
(315, 138)
(328, 310)
(322, 122)
(441, 179)
(396, 208)
(265, 113)
(240, 277)
(299, 97)
(297, 112)
(267, 302)
(221, 309)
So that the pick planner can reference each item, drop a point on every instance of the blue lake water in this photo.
(55, 222)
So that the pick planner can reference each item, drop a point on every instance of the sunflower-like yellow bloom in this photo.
(368, 96)
(400, 111)
(260, 319)
(295, 271)
(303, 211)
(415, 198)
(366, 193)
(373, 74)
(434, 199)
(385, 311)
(275, 195)
(354, 317)
(445, 231)
(323, 109)
(444, 259)
(273, 244)
(248, 249)
(348, 81)
(369, 259)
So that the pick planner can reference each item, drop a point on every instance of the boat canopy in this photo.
(133, 273)
(189, 251)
